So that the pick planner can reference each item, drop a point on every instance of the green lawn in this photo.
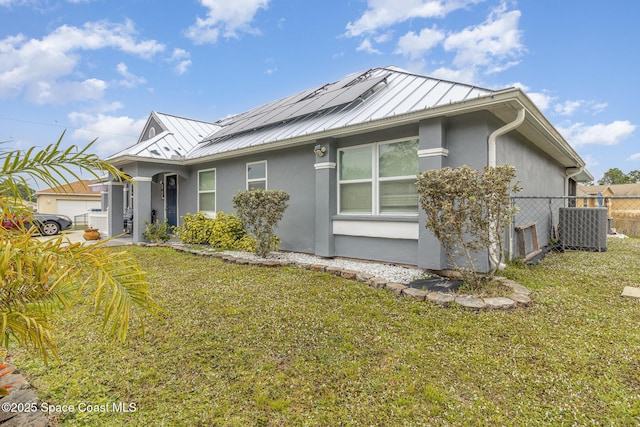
(256, 346)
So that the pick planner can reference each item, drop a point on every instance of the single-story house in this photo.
(611, 196)
(621, 200)
(74, 199)
(347, 152)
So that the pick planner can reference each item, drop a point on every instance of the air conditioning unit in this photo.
(583, 229)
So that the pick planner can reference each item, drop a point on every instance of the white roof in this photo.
(366, 101)
(358, 98)
(174, 137)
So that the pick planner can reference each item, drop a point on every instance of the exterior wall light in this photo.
(320, 150)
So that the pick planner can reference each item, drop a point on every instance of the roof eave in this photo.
(512, 98)
(128, 159)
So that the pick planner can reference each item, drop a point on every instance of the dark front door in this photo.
(171, 199)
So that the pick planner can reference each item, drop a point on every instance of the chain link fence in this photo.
(578, 222)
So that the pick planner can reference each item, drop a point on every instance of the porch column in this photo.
(141, 206)
(104, 200)
(432, 154)
(325, 197)
(114, 208)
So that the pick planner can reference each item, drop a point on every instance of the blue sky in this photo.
(98, 67)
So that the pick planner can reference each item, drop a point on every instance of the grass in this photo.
(252, 346)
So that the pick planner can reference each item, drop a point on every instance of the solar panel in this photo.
(343, 92)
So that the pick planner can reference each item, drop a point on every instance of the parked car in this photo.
(47, 224)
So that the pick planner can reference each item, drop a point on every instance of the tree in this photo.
(260, 212)
(24, 192)
(41, 278)
(468, 211)
(616, 176)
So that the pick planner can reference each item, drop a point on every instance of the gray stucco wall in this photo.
(539, 175)
(293, 170)
(289, 170)
(466, 140)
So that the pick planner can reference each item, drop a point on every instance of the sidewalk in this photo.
(75, 236)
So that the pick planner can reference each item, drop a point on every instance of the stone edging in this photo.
(24, 406)
(520, 296)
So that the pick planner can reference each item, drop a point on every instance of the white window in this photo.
(257, 175)
(378, 179)
(207, 191)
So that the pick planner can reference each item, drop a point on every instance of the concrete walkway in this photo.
(75, 236)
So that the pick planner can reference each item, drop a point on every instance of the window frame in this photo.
(375, 179)
(253, 180)
(214, 191)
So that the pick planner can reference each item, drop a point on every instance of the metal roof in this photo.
(176, 138)
(360, 102)
(359, 98)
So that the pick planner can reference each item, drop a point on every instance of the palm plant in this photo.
(41, 278)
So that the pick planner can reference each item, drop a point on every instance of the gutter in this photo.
(501, 131)
(492, 149)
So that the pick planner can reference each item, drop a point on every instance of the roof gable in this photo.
(613, 189)
(168, 137)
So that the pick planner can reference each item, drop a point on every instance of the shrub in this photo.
(226, 231)
(468, 211)
(260, 212)
(158, 232)
(196, 229)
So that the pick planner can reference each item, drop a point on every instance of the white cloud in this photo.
(182, 60)
(61, 92)
(367, 46)
(416, 45)
(383, 13)
(130, 80)
(634, 157)
(114, 133)
(489, 47)
(567, 108)
(226, 18)
(35, 65)
(493, 45)
(590, 161)
(570, 107)
(542, 99)
(579, 134)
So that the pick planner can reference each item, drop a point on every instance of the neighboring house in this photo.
(601, 194)
(347, 153)
(622, 202)
(76, 198)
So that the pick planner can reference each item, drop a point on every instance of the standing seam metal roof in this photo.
(178, 137)
(389, 92)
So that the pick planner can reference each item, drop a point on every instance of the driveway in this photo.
(75, 236)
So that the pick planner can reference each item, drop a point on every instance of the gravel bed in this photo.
(388, 272)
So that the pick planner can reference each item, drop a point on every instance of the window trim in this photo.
(375, 179)
(214, 191)
(246, 170)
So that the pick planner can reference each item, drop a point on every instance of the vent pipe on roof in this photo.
(501, 131)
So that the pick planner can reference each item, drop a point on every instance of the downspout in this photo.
(493, 138)
(568, 177)
(501, 131)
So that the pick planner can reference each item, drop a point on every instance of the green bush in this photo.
(467, 211)
(196, 229)
(260, 211)
(224, 232)
(227, 229)
(157, 232)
